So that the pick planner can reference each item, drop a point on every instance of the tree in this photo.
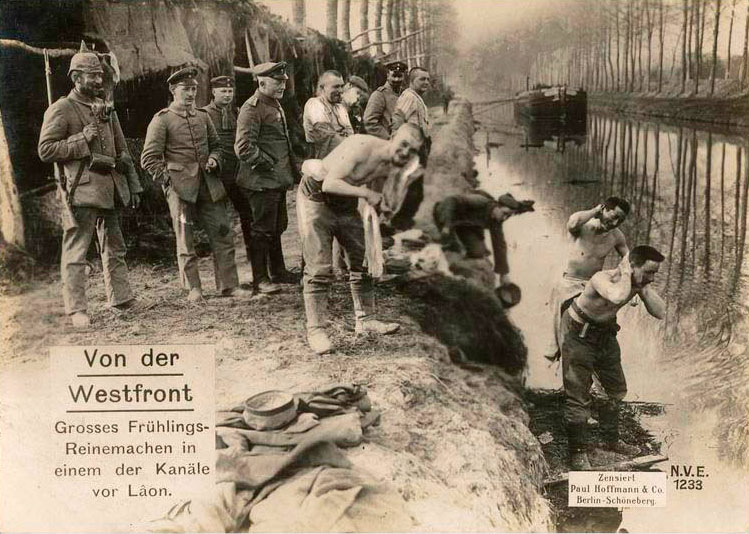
(389, 24)
(378, 25)
(728, 47)
(364, 23)
(300, 14)
(684, 64)
(331, 28)
(345, 20)
(715, 47)
(744, 58)
(661, 30)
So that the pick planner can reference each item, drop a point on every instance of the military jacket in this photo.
(61, 140)
(263, 146)
(226, 127)
(176, 150)
(378, 115)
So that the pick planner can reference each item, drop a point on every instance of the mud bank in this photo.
(732, 112)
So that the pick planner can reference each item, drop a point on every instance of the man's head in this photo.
(356, 92)
(615, 210)
(183, 85)
(645, 262)
(418, 80)
(330, 86)
(506, 206)
(86, 72)
(396, 73)
(405, 144)
(222, 89)
(271, 79)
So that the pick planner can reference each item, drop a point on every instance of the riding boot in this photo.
(577, 439)
(316, 309)
(259, 260)
(608, 415)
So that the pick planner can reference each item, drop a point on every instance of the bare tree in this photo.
(715, 47)
(345, 20)
(396, 16)
(699, 38)
(684, 63)
(413, 25)
(300, 14)
(331, 28)
(389, 24)
(364, 23)
(378, 24)
(649, 24)
(745, 57)
(661, 31)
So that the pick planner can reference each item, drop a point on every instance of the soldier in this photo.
(379, 111)
(326, 121)
(267, 169)
(80, 133)
(355, 96)
(411, 108)
(182, 152)
(223, 113)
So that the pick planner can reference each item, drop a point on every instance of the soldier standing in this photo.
(267, 168)
(223, 113)
(412, 109)
(182, 152)
(381, 105)
(79, 132)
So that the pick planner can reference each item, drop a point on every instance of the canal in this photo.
(688, 189)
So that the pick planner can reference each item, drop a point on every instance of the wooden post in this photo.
(11, 214)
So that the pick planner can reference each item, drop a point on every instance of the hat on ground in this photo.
(509, 294)
(396, 66)
(85, 61)
(222, 81)
(271, 70)
(186, 76)
(359, 82)
(269, 410)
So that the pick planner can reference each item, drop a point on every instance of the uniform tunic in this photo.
(95, 200)
(378, 114)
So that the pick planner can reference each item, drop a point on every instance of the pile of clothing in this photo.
(283, 469)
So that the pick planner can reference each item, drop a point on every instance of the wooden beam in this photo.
(355, 37)
(51, 52)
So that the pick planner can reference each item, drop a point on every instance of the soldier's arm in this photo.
(152, 157)
(54, 142)
(655, 305)
(621, 243)
(214, 143)
(341, 164)
(373, 116)
(248, 132)
(578, 219)
(126, 160)
(612, 286)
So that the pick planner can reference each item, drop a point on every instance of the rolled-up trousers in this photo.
(214, 218)
(75, 244)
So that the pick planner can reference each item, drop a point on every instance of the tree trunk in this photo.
(378, 24)
(300, 14)
(331, 29)
(345, 24)
(364, 23)
(684, 64)
(11, 214)
(699, 39)
(618, 43)
(715, 47)
(627, 32)
(745, 56)
(660, 48)
(396, 16)
(389, 24)
(650, 28)
(727, 74)
(413, 25)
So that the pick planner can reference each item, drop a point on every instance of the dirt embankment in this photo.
(730, 111)
(455, 442)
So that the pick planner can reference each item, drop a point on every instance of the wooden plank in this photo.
(641, 462)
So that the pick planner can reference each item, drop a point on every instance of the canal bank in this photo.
(688, 189)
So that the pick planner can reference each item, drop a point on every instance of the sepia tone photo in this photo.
(374, 265)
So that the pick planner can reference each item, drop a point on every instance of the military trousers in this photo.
(214, 218)
(239, 201)
(586, 351)
(75, 244)
(319, 222)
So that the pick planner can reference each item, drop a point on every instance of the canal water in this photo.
(688, 188)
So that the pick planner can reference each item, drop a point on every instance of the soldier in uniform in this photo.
(379, 111)
(267, 169)
(182, 152)
(223, 113)
(411, 108)
(358, 90)
(80, 133)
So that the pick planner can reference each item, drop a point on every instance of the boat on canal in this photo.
(557, 102)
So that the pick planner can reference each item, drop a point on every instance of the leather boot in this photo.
(259, 260)
(365, 315)
(316, 309)
(278, 272)
(577, 439)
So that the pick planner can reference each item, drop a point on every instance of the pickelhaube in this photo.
(85, 61)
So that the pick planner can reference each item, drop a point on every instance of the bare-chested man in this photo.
(324, 212)
(592, 234)
(589, 346)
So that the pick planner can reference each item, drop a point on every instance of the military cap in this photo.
(271, 70)
(184, 76)
(508, 201)
(396, 66)
(222, 81)
(85, 61)
(358, 82)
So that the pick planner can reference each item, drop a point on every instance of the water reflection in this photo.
(688, 189)
(552, 134)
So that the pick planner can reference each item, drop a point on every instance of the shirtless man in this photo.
(324, 211)
(592, 234)
(589, 346)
